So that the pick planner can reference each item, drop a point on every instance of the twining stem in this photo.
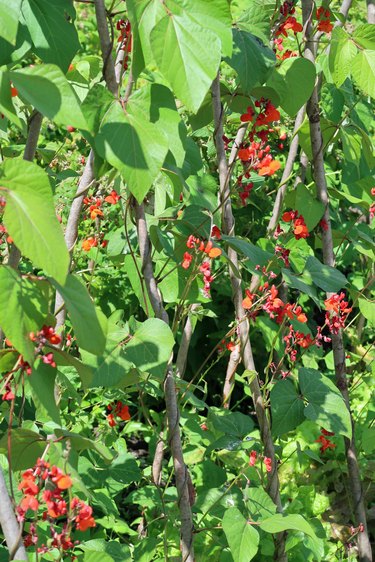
(246, 349)
(173, 414)
(364, 546)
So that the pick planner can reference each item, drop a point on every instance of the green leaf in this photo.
(364, 35)
(326, 406)
(81, 443)
(27, 447)
(212, 15)
(257, 18)
(231, 423)
(311, 209)
(85, 372)
(10, 53)
(23, 309)
(363, 71)
(156, 104)
(100, 550)
(46, 88)
(124, 469)
(351, 144)
(54, 36)
(187, 55)
(300, 284)
(9, 18)
(259, 503)
(150, 348)
(6, 103)
(242, 538)
(89, 327)
(287, 407)
(30, 217)
(294, 81)
(42, 382)
(256, 255)
(367, 308)
(278, 523)
(252, 60)
(134, 146)
(341, 55)
(324, 276)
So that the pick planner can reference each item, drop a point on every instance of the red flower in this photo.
(122, 411)
(113, 198)
(247, 302)
(289, 23)
(253, 458)
(188, 258)
(325, 25)
(268, 464)
(246, 117)
(325, 443)
(216, 233)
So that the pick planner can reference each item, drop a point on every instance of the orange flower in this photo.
(14, 92)
(214, 253)
(248, 300)
(269, 169)
(63, 482)
(89, 243)
(325, 25)
(95, 212)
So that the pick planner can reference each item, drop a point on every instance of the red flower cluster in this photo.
(120, 411)
(325, 443)
(337, 312)
(45, 485)
(324, 16)
(294, 339)
(46, 334)
(299, 225)
(275, 307)
(94, 205)
(255, 155)
(208, 250)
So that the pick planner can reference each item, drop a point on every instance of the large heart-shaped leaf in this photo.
(30, 217)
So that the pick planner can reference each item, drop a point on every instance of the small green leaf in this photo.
(46, 88)
(42, 382)
(287, 407)
(367, 308)
(242, 538)
(231, 423)
(53, 34)
(308, 206)
(30, 217)
(252, 60)
(326, 406)
(324, 276)
(89, 327)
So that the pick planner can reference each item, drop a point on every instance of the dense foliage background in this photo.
(186, 313)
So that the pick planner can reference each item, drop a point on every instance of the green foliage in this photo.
(83, 383)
